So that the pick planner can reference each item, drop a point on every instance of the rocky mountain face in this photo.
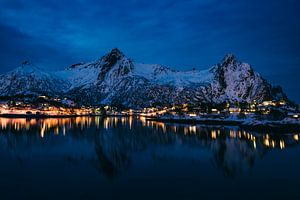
(236, 81)
(116, 80)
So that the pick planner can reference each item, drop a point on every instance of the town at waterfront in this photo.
(260, 114)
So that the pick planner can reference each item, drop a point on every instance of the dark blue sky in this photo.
(182, 34)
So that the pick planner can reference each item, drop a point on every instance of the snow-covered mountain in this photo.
(116, 79)
(28, 79)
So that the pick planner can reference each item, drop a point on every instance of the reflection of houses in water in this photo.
(48, 125)
(115, 140)
(234, 150)
(233, 156)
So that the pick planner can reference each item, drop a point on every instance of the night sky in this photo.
(177, 33)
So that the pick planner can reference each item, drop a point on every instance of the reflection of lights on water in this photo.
(106, 123)
(110, 122)
(4, 123)
(193, 129)
(42, 133)
(175, 129)
(130, 121)
(97, 122)
(266, 142)
(282, 144)
(185, 130)
(123, 121)
(56, 130)
(232, 134)
(27, 126)
(213, 134)
(42, 124)
(158, 126)
(61, 126)
(162, 126)
(273, 143)
(143, 120)
(149, 124)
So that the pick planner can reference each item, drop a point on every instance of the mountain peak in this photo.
(117, 80)
(111, 59)
(116, 51)
(229, 59)
(113, 56)
(26, 63)
(28, 67)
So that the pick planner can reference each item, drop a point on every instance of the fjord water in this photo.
(131, 158)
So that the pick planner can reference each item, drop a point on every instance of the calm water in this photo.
(129, 158)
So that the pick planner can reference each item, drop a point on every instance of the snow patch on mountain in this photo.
(116, 79)
(29, 79)
(83, 75)
(164, 75)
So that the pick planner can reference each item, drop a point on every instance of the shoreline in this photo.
(25, 116)
(197, 121)
(271, 126)
(33, 116)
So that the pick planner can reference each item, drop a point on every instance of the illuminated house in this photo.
(235, 110)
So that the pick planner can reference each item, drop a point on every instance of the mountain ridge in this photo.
(115, 79)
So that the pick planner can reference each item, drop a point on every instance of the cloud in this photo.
(17, 47)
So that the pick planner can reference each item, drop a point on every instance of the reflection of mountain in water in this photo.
(111, 144)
